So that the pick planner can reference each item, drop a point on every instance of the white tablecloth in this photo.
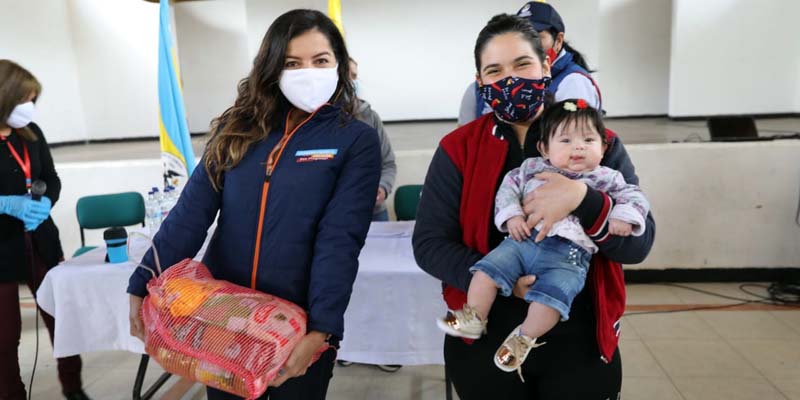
(390, 319)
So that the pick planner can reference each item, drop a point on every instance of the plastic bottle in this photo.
(152, 212)
(148, 210)
(164, 204)
(158, 197)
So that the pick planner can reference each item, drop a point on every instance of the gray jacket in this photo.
(365, 113)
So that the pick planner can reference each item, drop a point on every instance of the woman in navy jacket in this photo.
(293, 177)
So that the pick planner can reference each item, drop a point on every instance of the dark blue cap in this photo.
(542, 16)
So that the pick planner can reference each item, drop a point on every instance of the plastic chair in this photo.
(406, 199)
(107, 210)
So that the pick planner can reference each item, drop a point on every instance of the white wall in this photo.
(633, 72)
(704, 220)
(416, 57)
(213, 56)
(97, 59)
(583, 24)
(734, 57)
(797, 87)
(116, 48)
(47, 52)
(722, 205)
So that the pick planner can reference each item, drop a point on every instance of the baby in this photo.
(572, 144)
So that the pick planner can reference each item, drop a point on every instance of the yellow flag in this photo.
(335, 14)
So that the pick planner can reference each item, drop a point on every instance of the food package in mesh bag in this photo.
(217, 333)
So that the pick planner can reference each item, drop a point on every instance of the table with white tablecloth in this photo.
(390, 319)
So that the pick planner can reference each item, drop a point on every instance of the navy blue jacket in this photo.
(564, 67)
(316, 218)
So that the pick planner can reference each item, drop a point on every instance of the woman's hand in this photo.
(523, 285)
(381, 197)
(298, 361)
(30, 212)
(553, 201)
(39, 213)
(135, 317)
(619, 228)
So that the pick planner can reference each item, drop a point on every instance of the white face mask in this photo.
(309, 88)
(21, 115)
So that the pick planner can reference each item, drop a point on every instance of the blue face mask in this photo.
(515, 99)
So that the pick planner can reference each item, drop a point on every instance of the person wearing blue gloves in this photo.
(29, 244)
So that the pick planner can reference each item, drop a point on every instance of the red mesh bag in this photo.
(219, 334)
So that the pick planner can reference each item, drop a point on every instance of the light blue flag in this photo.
(176, 145)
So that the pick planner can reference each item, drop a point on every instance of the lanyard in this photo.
(24, 161)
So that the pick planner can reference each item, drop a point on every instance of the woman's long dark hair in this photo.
(505, 23)
(577, 57)
(260, 104)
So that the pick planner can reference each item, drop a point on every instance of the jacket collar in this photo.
(563, 61)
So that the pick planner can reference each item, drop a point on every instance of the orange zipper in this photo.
(275, 156)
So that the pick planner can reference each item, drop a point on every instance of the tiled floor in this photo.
(724, 354)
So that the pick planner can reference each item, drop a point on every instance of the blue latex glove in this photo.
(30, 212)
(40, 211)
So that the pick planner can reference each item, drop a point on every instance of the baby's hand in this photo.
(518, 228)
(619, 228)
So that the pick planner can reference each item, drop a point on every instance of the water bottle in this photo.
(164, 204)
(173, 197)
(151, 220)
(157, 199)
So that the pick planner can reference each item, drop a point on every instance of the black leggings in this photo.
(311, 386)
(567, 367)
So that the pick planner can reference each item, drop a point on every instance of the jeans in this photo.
(560, 267)
(381, 216)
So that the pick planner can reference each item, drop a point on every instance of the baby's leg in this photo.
(561, 268)
(481, 294)
(540, 319)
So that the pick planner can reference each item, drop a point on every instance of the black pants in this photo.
(11, 385)
(567, 367)
(311, 386)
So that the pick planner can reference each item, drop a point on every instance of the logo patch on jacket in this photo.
(303, 156)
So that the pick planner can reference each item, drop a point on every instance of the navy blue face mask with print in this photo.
(515, 99)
